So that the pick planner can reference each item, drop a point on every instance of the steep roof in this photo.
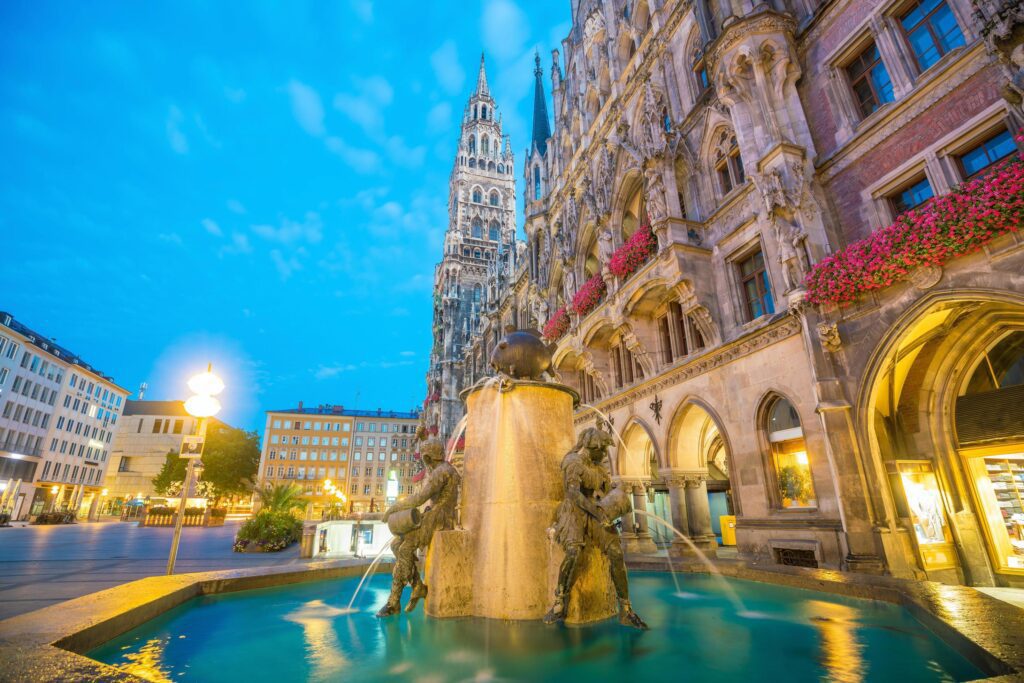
(541, 128)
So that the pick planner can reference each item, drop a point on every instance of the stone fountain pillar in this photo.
(502, 564)
(677, 505)
(644, 541)
(699, 512)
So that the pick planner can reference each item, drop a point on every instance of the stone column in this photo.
(644, 542)
(699, 514)
(628, 535)
(677, 505)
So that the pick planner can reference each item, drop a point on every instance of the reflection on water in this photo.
(146, 662)
(841, 653)
(323, 649)
(302, 633)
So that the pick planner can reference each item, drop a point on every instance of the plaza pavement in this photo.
(43, 565)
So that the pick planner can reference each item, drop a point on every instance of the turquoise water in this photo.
(301, 632)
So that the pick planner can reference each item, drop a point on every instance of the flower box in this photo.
(932, 234)
(557, 326)
(589, 295)
(631, 256)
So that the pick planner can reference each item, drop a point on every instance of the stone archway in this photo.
(697, 476)
(636, 467)
(948, 446)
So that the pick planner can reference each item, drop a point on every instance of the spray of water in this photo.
(368, 571)
(608, 422)
(729, 591)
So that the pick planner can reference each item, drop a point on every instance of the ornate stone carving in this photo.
(654, 185)
(828, 335)
(926, 277)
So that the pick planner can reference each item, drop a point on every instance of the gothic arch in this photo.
(648, 296)
(634, 454)
(630, 207)
(692, 433)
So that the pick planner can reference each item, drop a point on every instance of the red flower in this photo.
(557, 326)
(589, 296)
(631, 256)
(932, 234)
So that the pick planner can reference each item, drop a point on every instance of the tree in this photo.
(280, 497)
(230, 459)
(172, 472)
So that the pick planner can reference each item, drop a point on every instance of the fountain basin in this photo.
(302, 633)
(45, 644)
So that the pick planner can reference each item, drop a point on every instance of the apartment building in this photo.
(357, 451)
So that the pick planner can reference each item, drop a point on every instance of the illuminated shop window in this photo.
(789, 457)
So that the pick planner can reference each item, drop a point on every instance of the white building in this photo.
(58, 416)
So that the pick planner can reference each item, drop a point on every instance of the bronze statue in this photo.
(441, 488)
(586, 517)
(522, 354)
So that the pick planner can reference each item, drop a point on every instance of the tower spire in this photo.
(481, 79)
(541, 128)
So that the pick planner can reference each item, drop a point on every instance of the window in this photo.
(536, 182)
(492, 234)
(911, 195)
(178, 424)
(789, 457)
(157, 424)
(757, 292)
(471, 144)
(1001, 367)
(478, 229)
(869, 80)
(478, 196)
(728, 164)
(627, 368)
(495, 199)
(931, 30)
(976, 161)
(700, 72)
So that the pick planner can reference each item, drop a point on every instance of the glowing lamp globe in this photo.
(202, 406)
(206, 384)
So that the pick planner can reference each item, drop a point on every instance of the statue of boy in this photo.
(441, 488)
(580, 522)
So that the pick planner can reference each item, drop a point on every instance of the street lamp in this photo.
(203, 405)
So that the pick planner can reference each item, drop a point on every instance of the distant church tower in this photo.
(481, 228)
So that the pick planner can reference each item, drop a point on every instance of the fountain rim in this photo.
(480, 386)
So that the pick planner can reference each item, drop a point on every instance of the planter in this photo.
(634, 254)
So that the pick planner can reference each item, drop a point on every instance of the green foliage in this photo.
(160, 510)
(794, 482)
(230, 459)
(280, 497)
(270, 530)
(172, 472)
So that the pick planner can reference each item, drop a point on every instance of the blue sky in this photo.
(259, 184)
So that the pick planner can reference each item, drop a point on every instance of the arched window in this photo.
(490, 166)
(478, 229)
(471, 144)
(501, 168)
(1001, 367)
(728, 163)
(465, 251)
(536, 182)
(477, 293)
(478, 196)
(495, 198)
(476, 253)
(700, 72)
(485, 145)
(483, 112)
(791, 466)
(666, 120)
(472, 163)
(493, 232)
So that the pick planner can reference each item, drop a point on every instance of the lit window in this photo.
(789, 457)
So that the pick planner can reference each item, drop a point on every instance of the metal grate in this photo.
(795, 557)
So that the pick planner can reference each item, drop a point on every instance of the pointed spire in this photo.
(481, 79)
(541, 128)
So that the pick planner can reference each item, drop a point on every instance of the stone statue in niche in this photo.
(586, 518)
(791, 252)
(605, 246)
(414, 531)
(569, 285)
(652, 136)
(657, 209)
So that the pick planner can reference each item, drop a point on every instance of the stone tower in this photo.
(481, 230)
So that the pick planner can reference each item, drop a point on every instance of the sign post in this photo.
(192, 450)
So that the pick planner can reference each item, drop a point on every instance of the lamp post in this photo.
(202, 405)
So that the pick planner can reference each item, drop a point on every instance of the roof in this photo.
(541, 128)
(52, 347)
(341, 411)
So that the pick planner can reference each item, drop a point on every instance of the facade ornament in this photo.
(605, 246)
(926, 277)
(653, 140)
(569, 285)
(828, 335)
(656, 408)
(791, 256)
